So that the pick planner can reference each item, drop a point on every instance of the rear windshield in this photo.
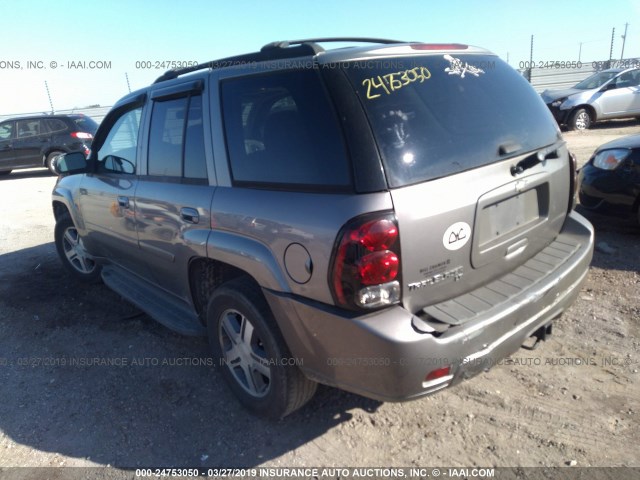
(434, 116)
(86, 124)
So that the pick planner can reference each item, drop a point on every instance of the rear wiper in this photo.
(540, 156)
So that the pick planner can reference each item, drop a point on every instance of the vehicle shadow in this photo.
(27, 173)
(86, 375)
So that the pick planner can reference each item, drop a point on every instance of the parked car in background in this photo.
(611, 178)
(609, 94)
(34, 141)
(390, 219)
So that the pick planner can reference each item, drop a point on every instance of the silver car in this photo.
(609, 94)
(389, 219)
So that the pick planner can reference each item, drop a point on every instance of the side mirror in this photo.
(70, 163)
(609, 86)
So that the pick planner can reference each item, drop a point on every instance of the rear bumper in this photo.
(385, 356)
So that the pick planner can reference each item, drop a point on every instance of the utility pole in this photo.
(624, 39)
(580, 51)
(46, 86)
(127, 77)
(613, 36)
(531, 60)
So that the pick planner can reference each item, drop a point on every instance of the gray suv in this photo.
(389, 218)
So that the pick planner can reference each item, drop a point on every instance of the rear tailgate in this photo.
(460, 232)
(477, 169)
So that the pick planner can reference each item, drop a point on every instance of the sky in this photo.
(94, 52)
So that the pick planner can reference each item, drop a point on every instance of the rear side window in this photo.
(439, 115)
(176, 140)
(28, 128)
(281, 130)
(55, 125)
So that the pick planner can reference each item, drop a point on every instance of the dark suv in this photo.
(389, 219)
(34, 141)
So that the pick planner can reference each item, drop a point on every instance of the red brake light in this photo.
(366, 263)
(82, 135)
(378, 267)
(439, 46)
(378, 235)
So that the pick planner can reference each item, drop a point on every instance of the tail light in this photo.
(365, 269)
(573, 179)
(81, 135)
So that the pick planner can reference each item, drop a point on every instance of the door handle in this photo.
(123, 202)
(189, 215)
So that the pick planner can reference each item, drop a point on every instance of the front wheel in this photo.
(580, 120)
(72, 252)
(49, 161)
(249, 348)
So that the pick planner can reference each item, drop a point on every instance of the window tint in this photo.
(439, 115)
(628, 79)
(28, 128)
(119, 151)
(86, 124)
(5, 130)
(55, 125)
(165, 138)
(194, 157)
(281, 129)
(176, 140)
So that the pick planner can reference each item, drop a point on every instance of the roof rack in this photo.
(272, 51)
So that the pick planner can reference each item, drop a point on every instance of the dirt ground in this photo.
(573, 401)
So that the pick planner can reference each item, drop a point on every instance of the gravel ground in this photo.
(573, 401)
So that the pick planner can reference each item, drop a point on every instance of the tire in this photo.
(50, 158)
(5, 172)
(72, 253)
(580, 120)
(251, 352)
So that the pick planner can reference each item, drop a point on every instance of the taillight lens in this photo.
(82, 135)
(573, 179)
(366, 263)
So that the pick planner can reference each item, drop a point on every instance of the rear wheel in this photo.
(50, 158)
(580, 120)
(254, 358)
(72, 253)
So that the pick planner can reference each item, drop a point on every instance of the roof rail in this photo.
(269, 54)
(272, 51)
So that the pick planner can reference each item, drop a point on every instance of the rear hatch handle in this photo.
(550, 152)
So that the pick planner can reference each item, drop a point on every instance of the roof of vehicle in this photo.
(291, 49)
(45, 115)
